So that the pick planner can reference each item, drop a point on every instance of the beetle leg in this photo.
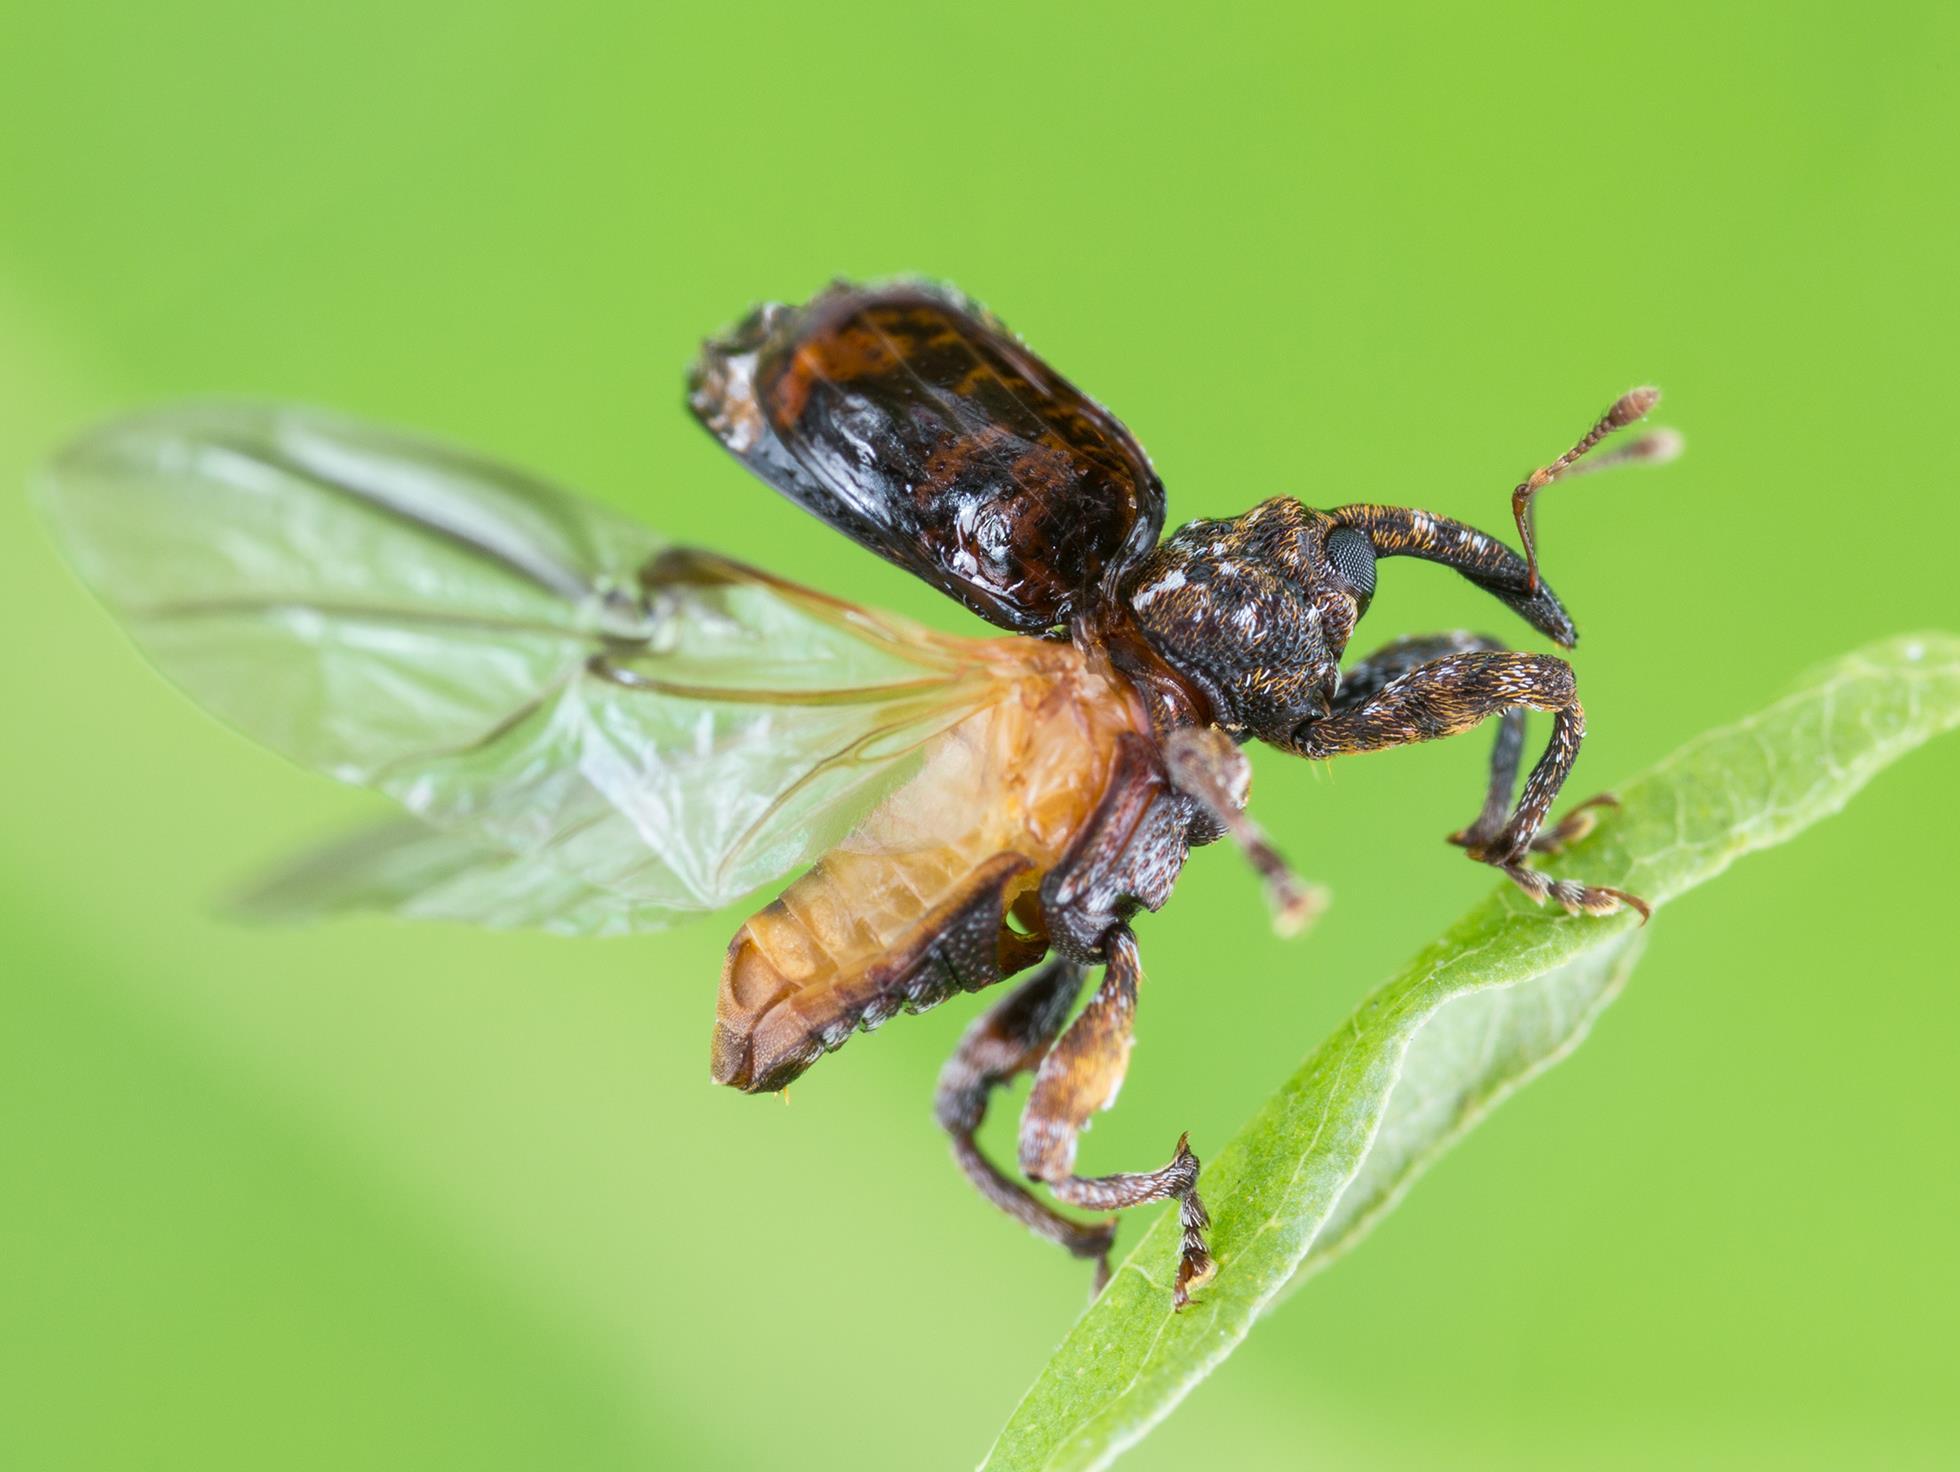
(1209, 766)
(1447, 696)
(1366, 678)
(1008, 1039)
(1080, 1076)
(1579, 820)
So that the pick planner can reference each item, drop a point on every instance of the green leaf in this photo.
(1504, 993)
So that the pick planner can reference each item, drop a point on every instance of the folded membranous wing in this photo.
(600, 732)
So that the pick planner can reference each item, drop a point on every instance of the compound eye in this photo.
(1353, 556)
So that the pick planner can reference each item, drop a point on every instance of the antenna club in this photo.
(1632, 405)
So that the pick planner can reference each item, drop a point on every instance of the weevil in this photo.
(594, 731)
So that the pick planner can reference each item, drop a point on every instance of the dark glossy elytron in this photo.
(912, 421)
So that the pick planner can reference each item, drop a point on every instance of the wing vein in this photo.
(552, 576)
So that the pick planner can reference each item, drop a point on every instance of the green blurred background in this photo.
(375, 1195)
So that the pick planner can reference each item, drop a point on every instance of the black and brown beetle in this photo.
(594, 732)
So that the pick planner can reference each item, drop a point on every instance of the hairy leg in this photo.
(1080, 1076)
(1008, 1039)
(1452, 694)
(1365, 679)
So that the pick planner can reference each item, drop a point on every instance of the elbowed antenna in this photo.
(1402, 531)
(1655, 447)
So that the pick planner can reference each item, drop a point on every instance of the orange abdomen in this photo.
(913, 906)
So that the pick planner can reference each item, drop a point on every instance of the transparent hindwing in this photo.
(592, 731)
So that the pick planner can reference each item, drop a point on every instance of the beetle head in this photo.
(1403, 531)
(1257, 610)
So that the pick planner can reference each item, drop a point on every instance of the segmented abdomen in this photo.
(913, 906)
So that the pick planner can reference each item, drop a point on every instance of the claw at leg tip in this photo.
(1189, 1280)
